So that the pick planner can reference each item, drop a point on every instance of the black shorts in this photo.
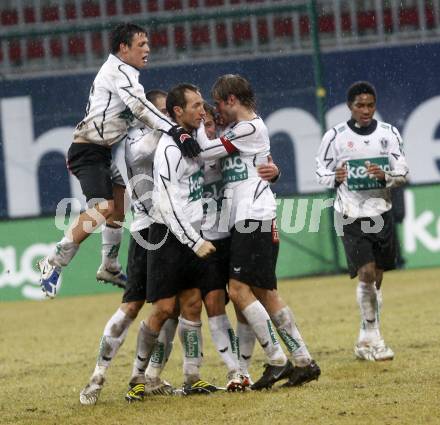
(217, 276)
(91, 165)
(136, 287)
(173, 267)
(254, 255)
(362, 247)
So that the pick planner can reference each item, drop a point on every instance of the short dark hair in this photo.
(360, 87)
(153, 95)
(123, 33)
(238, 86)
(176, 97)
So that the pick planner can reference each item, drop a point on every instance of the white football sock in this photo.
(259, 320)
(162, 349)
(246, 343)
(112, 338)
(145, 343)
(366, 295)
(225, 341)
(111, 241)
(190, 334)
(284, 321)
(64, 252)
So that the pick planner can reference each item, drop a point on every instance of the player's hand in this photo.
(205, 250)
(341, 173)
(184, 141)
(374, 171)
(269, 171)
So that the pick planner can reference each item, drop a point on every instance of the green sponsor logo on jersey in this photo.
(191, 344)
(214, 190)
(196, 186)
(358, 178)
(233, 168)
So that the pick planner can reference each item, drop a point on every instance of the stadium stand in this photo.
(39, 35)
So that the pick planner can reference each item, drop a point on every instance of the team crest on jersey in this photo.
(350, 144)
(384, 143)
(230, 135)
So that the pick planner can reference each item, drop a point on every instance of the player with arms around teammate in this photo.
(176, 267)
(115, 97)
(362, 159)
(140, 146)
(254, 239)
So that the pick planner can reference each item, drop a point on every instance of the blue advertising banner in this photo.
(37, 117)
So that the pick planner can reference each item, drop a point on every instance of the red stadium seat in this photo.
(430, 18)
(241, 31)
(70, 11)
(213, 3)
(199, 35)
(14, 52)
(50, 14)
(97, 43)
(29, 15)
(326, 24)
(90, 9)
(111, 7)
(77, 46)
(366, 20)
(131, 7)
(172, 5)
(9, 17)
(34, 49)
(179, 38)
(158, 39)
(409, 17)
(152, 5)
(221, 35)
(283, 27)
(346, 22)
(56, 48)
(263, 30)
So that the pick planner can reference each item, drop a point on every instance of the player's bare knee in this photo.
(215, 303)
(132, 309)
(367, 273)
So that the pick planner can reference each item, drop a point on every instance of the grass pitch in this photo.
(48, 351)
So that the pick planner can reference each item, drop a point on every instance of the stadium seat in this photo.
(158, 39)
(34, 49)
(77, 46)
(242, 32)
(283, 27)
(9, 17)
(172, 5)
(131, 7)
(409, 17)
(97, 44)
(56, 47)
(14, 52)
(70, 10)
(200, 35)
(50, 14)
(90, 9)
(29, 15)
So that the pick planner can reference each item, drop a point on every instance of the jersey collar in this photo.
(362, 131)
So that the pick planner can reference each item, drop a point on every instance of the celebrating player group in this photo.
(204, 224)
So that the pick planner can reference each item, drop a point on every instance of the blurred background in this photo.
(300, 56)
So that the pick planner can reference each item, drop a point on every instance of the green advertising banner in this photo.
(23, 242)
(306, 247)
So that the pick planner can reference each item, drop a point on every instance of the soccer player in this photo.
(362, 159)
(140, 146)
(176, 267)
(115, 97)
(254, 239)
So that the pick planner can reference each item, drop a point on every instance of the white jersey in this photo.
(115, 96)
(177, 194)
(140, 146)
(213, 196)
(380, 143)
(249, 146)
